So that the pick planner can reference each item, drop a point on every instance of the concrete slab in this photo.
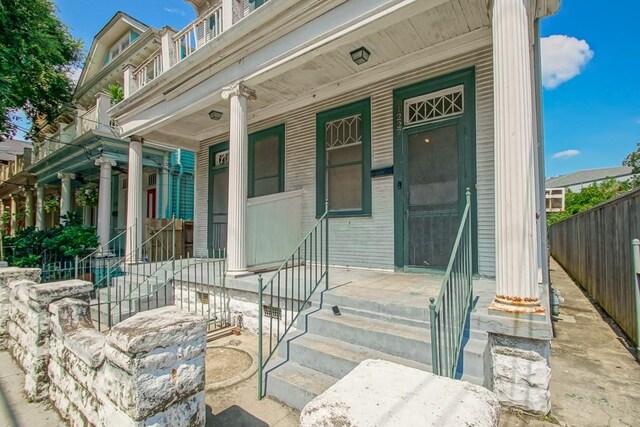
(14, 408)
(380, 393)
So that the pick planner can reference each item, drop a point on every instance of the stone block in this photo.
(380, 393)
(9, 274)
(519, 372)
(44, 294)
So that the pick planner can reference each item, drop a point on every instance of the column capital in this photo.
(66, 175)
(101, 161)
(136, 138)
(238, 89)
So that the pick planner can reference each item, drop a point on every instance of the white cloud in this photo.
(563, 58)
(565, 154)
(175, 10)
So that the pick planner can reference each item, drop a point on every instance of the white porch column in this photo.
(135, 198)
(103, 104)
(40, 207)
(129, 85)
(238, 167)
(516, 251)
(104, 201)
(65, 203)
(14, 211)
(28, 207)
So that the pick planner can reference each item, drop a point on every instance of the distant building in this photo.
(557, 186)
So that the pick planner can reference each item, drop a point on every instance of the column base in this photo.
(516, 305)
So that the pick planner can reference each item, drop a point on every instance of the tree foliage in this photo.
(589, 197)
(37, 53)
(633, 161)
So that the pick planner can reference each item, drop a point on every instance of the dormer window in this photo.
(118, 47)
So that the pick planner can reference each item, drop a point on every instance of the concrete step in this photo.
(337, 358)
(391, 338)
(296, 385)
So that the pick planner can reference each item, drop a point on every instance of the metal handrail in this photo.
(636, 291)
(307, 249)
(448, 314)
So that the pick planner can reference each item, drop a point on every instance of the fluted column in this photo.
(104, 201)
(515, 200)
(135, 220)
(13, 199)
(40, 207)
(28, 207)
(65, 190)
(237, 94)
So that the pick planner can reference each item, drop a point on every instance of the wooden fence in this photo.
(595, 247)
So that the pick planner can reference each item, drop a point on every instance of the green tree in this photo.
(37, 53)
(589, 197)
(633, 161)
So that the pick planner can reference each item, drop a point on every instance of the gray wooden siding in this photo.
(368, 242)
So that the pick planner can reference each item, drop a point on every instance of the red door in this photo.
(151, 203)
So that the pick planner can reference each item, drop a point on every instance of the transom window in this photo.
(433, 106)
(266, 162)
(344, 159)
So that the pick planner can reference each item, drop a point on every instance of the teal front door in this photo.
(218, 199)
(434, 163)
(432, 193)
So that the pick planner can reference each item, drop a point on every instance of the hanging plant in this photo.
(51, 205)
(87, 197)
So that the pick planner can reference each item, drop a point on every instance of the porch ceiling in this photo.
(401, 39)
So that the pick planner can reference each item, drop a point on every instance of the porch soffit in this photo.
(334, 74)
(339, 26)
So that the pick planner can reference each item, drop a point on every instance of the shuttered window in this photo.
(344, 159)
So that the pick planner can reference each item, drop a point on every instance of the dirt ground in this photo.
(595, 380)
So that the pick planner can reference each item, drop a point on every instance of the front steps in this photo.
(326, 347)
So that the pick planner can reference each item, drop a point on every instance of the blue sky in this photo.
(592, 115)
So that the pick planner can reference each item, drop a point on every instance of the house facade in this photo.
(383, 113)
(79, 162)
(15, 156)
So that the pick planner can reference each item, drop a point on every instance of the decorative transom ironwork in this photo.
(344, 131)
(222, 158)
(433, 106)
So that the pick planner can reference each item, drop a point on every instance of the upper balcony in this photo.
(178, 46)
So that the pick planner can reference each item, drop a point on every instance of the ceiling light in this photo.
(215, 115)
(360, 55)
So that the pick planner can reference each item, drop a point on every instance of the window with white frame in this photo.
(118, 47)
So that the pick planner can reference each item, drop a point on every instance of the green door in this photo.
(432, 193)
(218, 199)
(434, 163)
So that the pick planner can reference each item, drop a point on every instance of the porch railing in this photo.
(636, 291)
(287, 293)
(205, 28)
(149, 69)
(448, 313)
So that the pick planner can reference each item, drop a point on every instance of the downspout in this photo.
(179, 182)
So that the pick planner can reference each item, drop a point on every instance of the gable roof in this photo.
(587, 176)
(104, 39)
(10, 148)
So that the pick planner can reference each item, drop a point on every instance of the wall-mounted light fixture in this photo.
(360, 55)
(215, 115)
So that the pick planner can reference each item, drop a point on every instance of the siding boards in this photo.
(595, 247)
(368, 242)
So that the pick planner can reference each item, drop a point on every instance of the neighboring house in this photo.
(80, 160)
(578, 180)
(556, 187)
(389, 110)
(15, 156)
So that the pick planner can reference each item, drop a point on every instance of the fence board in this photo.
(595, 247)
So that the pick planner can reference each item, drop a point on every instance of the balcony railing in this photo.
(89, 120)
(204, 29)
(149, 69)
